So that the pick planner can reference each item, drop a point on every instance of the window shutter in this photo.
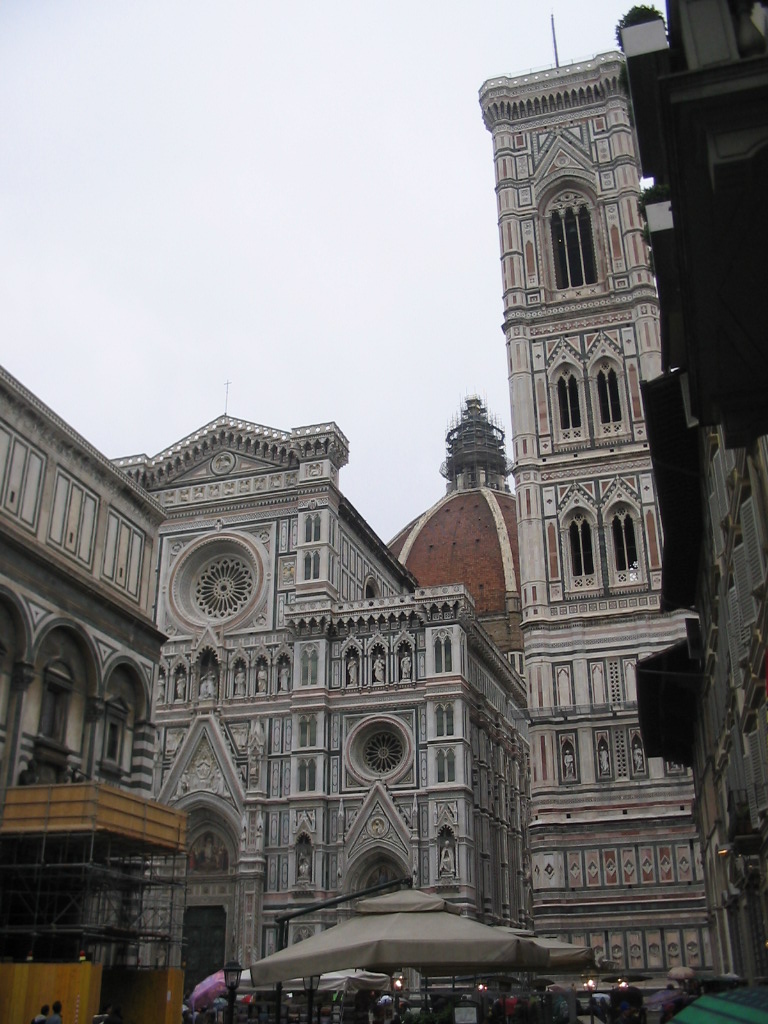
(743, 590)
(750, 532)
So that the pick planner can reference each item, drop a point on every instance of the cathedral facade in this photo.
(325, 723)
(615, 862)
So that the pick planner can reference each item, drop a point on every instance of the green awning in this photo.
(745, 1005)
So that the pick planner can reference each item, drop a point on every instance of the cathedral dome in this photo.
(470, 535)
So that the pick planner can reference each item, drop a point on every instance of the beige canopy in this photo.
(563, 956)
(404, 929)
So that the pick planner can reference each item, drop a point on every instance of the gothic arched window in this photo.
(308, 731)
(608, 395)
(312, 565)
(568, 400)
(582, 560)
(572, 244)
(446, 766)
(307, 775)
(444, 719)
(443, 655)
(625, 545)
(309, 662)
(312, 529)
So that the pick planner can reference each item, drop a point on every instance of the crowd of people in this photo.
(48, 1015)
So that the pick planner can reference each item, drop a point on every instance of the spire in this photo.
(475, 451)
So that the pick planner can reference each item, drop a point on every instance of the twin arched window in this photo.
(308, 731)
(608, 413)
(443, 654)
(312, 565)
(446, 766)
(307, 775)
(309, 663)
(444, 719)
(626, 564)
(311, 528)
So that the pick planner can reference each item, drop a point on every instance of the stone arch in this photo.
(57, 705)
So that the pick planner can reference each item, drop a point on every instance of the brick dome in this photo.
(470, 535)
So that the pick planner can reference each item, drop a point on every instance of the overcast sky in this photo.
(295, 197)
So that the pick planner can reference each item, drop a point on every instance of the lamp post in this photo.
(590, 984)
(311, 984)
(397, 985)
(232, 972)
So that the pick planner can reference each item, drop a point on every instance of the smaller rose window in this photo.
(224, 587)
(382, 752)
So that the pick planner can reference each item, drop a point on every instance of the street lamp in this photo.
(311, 983)
(590, 984)
(232, 972)
(397, 985)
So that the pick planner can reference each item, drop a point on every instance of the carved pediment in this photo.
(564, 157)
(202, 766)
(377, 825)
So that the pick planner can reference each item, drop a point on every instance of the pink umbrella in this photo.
(207, 990)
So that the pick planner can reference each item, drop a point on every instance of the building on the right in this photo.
(699, 89)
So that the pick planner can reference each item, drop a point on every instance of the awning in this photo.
(675, 456)
(666, 686)
(742, 1005)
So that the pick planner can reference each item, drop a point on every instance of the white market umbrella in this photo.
(346, 981)
(408, 928)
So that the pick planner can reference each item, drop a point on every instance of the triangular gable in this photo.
(217, 450)
(202, 766)
(616, 490)
(222, 467)
(575, 496)
(377, 825)
(564, 157)
(603, 343)
(563, 350)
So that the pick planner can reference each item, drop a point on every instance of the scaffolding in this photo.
(475, 450)
(90, 871)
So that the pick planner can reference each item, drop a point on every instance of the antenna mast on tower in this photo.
(554, 39)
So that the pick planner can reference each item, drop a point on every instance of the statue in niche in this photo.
(352, 671)
(569, 762)
(405, 665)
(603, 758)
(181, 685)
(208, 684)
(638, 757)
(161, 688)
(303, 868)
(261, 678)
(239, 680)
(258, 740)
(447, 867)
(283, 676)
(378, 668)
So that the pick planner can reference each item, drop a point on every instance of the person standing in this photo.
(42, 1017)
(55, 1017)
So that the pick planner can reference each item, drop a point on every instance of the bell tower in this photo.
(614, 860)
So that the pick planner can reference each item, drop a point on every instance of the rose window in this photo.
(382, 752)
(224, 587)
